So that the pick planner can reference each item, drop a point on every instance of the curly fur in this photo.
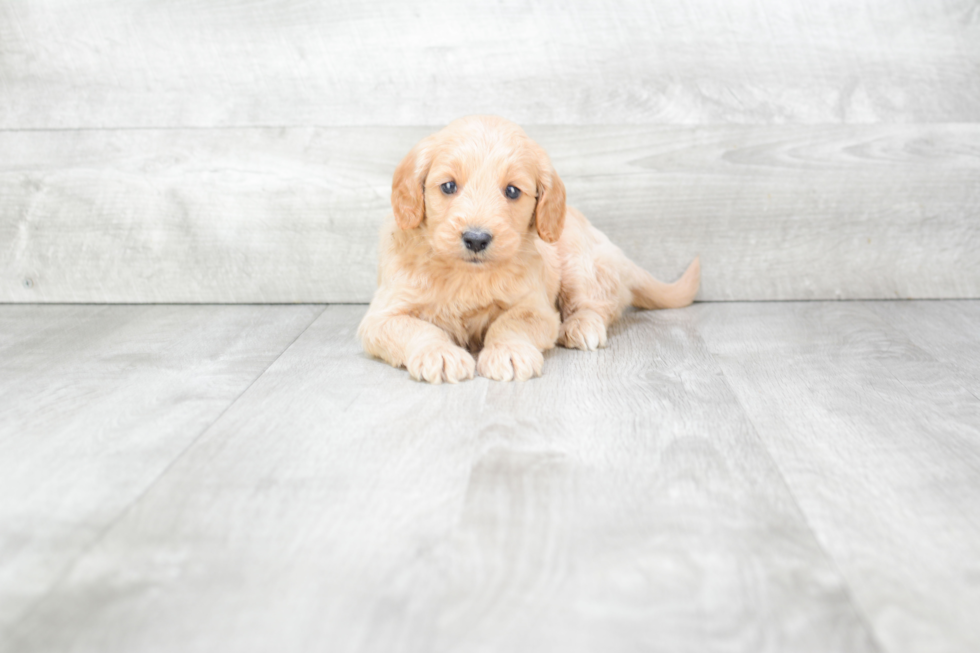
(547, 277)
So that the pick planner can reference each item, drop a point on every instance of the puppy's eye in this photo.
(449, 187)
(513, 192)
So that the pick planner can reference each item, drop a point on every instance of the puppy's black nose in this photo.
(476, 241)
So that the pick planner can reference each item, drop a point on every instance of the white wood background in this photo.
(242, 152)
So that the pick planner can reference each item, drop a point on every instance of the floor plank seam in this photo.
(858, 610)
(70, 566)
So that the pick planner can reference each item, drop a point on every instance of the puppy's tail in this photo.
(651, 293)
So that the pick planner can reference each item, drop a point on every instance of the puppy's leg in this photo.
(515, 340)
(592, 297)
(424, 349)
(599, 281)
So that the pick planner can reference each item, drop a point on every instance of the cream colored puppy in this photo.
(482, 258)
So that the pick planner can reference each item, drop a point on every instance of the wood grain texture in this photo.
(880, 443)
(95, 403)
(622, 502)
(122, 63)
(291, 215)
(948, 331)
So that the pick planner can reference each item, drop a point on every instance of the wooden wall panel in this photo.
(292, 214)
(237, 152)
(148, 63)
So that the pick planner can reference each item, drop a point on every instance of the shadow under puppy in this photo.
(482, 257)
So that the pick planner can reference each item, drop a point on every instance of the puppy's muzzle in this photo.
(476, 241)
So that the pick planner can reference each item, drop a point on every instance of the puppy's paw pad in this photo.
(441, 362)
(510, 362)
(582, 331)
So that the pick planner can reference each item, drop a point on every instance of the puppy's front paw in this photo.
(441, 362)
(584, 330)
(510, 362)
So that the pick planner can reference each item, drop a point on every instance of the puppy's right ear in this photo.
(407, 190)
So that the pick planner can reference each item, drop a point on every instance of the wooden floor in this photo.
(728, 477)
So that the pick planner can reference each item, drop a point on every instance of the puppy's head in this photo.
(478, 189)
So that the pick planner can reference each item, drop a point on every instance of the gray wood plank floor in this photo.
(96, 403)
(728, 477)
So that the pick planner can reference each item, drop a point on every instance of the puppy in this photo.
(481, 257)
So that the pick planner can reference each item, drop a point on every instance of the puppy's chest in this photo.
(464, 305)
(466, 325)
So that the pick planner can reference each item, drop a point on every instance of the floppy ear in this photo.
(407, 192)
(549, 214)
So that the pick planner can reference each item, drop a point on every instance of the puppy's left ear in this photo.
(549, 214)
(407, 192)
